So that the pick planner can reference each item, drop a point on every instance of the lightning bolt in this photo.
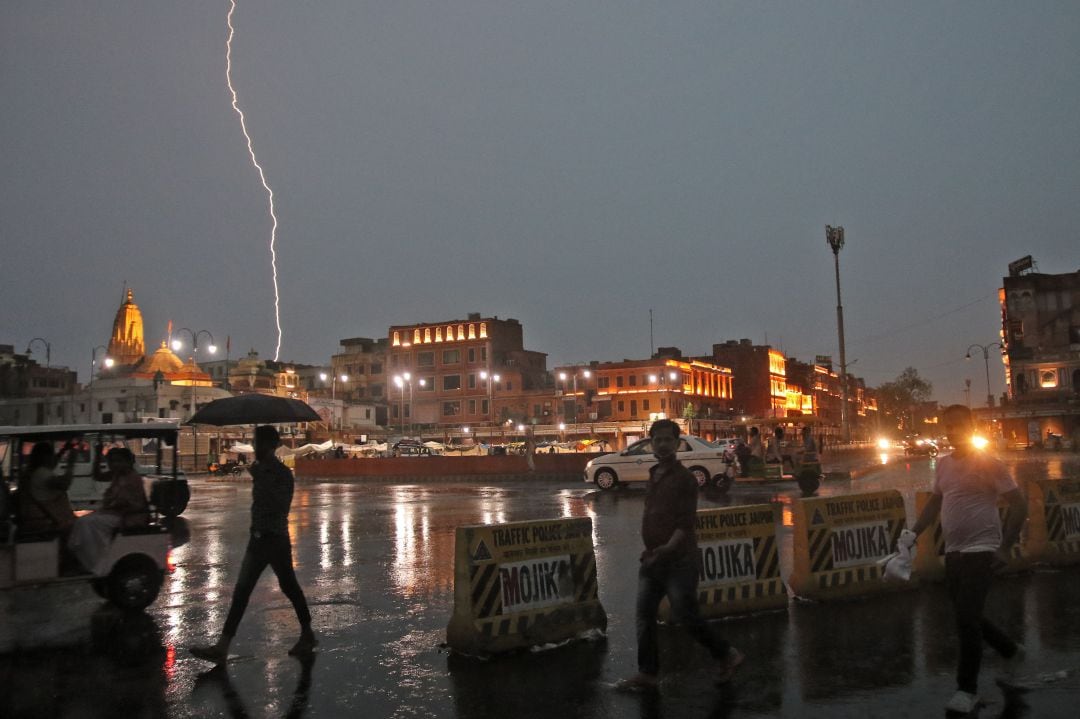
(262, 175)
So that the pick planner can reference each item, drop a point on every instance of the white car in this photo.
(703, 458)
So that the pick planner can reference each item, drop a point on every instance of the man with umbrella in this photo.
(271, 497)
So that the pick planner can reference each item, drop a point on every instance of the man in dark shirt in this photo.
(271, 497)
(669, 563)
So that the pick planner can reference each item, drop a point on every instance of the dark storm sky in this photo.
(569, 164)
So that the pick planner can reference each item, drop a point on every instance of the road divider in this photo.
(837, 542)
(523, 584)
(1054, 521)
(739, 560)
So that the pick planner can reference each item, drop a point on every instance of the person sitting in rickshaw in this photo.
(43, 504)
(124, 506)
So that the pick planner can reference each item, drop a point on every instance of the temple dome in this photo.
(163, 360)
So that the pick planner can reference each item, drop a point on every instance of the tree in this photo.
(899, 398)
(689, 413)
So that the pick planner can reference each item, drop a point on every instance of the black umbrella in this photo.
(255, 409)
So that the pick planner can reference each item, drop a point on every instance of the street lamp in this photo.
(177, 345)
(333, 389)
(108, 361)
(835, 237)
(586, 374)
(401, 380)
(491, 379)
(48, 349)
(986, 361)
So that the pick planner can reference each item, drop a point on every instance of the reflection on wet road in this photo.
(376, 562)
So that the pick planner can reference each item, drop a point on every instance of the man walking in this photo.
(965, 493)
(271, 497)
(669, 563)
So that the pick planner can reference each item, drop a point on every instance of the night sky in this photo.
(569, 164)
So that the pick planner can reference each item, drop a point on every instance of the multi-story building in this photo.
(1040, 349)
(668, 385)
(21, 376)
(359, 371)
(456, 373)
(760, 388)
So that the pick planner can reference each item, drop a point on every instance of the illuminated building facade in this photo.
(760, 377)
(457, 373)
(1040, 350)
(644, 390)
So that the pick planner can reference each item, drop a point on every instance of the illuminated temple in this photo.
(127, 350)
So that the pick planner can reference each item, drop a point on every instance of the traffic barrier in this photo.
(838, 541)
(523, 584)
(1054, 520)
(930, 555)
(739, 560)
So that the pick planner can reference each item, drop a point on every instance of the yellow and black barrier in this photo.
(739, 560)
(930, 554)
(523, 584)
(838, 541)
(1054, 520)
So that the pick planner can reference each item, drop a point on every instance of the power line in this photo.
(923, 323)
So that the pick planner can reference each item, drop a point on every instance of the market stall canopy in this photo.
(254, 409)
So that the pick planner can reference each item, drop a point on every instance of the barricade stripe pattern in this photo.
(583, 570)
(486, 598)
(768, 558)
(820, 550)
(1055, 527)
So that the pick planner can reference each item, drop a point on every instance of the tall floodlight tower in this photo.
(835, 237)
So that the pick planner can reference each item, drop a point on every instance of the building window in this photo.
(427, 384)
(509, 385)
(472, 331)
(438, 334)
(451, 356)
(425, 359)
(618, 380)
(633, 408)
(1048, 379)
(645, 405)
(484, 407)
(376, 368)
(472, 381)
(483, 354)
(451, 409)
(603, 382)
(416, 336)
(427, 334)
(472, 406)
(461, 332)
(633, 380)
(483, 330)
(397, 338)
(451, 381)
(622, 406)
(472, 354)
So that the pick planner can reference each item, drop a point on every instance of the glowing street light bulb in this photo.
(177, 345)
(562, 376)
(212, 348)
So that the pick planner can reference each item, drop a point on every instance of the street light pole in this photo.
(490, 379)
(333, 387)
(835, 237)
(177, 345)
(48, 349)
(986, 363)
(90, 385)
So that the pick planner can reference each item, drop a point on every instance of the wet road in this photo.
(376, 562)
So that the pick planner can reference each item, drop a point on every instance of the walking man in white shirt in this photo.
(965, 493)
